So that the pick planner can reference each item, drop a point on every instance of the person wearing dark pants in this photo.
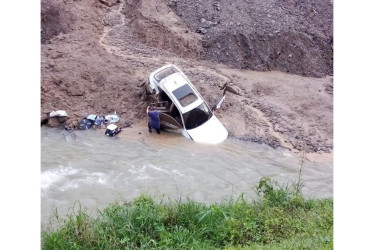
(154, 121)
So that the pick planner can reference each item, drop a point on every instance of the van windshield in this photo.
(197, 116)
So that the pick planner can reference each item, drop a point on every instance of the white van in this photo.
(182, 108)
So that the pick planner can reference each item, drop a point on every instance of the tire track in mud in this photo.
(114, 49)
(110, 48)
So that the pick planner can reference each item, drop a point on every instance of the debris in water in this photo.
(86, 124)
(112, 130)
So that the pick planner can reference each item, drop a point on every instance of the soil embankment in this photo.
(285, 35)
(95, 56)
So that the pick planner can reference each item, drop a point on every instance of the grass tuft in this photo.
(280, 219)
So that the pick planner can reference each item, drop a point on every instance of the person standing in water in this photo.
(154, 121)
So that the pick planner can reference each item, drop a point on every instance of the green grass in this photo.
(281, 218)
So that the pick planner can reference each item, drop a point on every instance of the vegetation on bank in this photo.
(281, 218)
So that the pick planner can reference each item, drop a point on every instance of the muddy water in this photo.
(97, 170)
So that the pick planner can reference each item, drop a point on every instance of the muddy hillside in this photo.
(277, 54)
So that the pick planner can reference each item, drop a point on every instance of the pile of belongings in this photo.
(97, 120)
(112, 118)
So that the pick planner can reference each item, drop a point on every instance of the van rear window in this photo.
(164, 73)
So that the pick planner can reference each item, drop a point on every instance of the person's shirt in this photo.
(155, 120)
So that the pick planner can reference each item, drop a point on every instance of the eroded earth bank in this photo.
(276, 54)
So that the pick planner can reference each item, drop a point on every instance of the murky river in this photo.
(97, 170)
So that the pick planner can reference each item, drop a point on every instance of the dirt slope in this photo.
(95, 56)
(286, 35)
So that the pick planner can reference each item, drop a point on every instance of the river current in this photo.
(95, 170)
